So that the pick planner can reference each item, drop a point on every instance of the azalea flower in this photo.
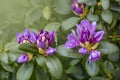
(80, 9)
(87, 38)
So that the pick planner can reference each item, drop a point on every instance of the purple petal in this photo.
(93, 28)
(99, 35)
(50, 51)
(34, 37)
(52, 36)
(19, 35)
(71, 40)
(42, 45)
(23, 58)
(27, 33)
(83, 50)
(94, 55)
(86, 24)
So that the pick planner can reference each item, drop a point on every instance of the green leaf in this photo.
(4, 58)
(47, 12)
(105, 4)
(98, 78)
(36, 3)
(62, 7)
(114, 57)
(107, 16)
(41, 74)
(52, 26)
(117, 73)
(63, 51)
(54, 66)
(28, 47)
(69, 23)
(41, 61)
(25, 71)
(92, 68)
(108, 67)
(107, 48)
(83, 1)
(32, 15)
(93, 17)
(7, 67)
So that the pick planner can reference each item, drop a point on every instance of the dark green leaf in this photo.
(52, 26)
(114, 57)
(28, 47)
(63, 51)
(107, 16)
(91, 68)
(98, 78)
(25, 71)
(54, 66)
(108, 48)
(69, 23)
(92, 17)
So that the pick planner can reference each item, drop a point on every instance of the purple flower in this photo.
(44, 40)
(94, 55)
(80, 9)
(86, 37)
(26, 37)
(23, 58)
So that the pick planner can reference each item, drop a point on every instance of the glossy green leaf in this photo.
(28, 47)
(83, 1)
(69, 23)
(105, 4)
(52, 26)
(35, 2)
(63, 51)
(54, 66)
(32, 15)
(107, 47)
(107, 16)
(92, 69)
(41, 61)
(25, 71)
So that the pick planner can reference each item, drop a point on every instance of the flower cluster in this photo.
(80, 9)
(42, 41)
(87, 38)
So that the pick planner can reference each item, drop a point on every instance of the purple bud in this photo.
(83, 50)
(50, 51)
(99, 35)
(34, 37)
(52, 36)
(23, 58)
(94, 55)
(93, 28)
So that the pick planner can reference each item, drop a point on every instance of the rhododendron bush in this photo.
(60, 40)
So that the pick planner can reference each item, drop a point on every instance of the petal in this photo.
(94, 55)
(27, 33)
(50, 51)
(83, 50)
(19, 35)
(72, 41)
(99, 35)
(42, 45)
(93, 28)
(51, 36)
(23, 58)
(33, 37)
(85, 23)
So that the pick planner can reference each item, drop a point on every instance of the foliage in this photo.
(66, 64)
